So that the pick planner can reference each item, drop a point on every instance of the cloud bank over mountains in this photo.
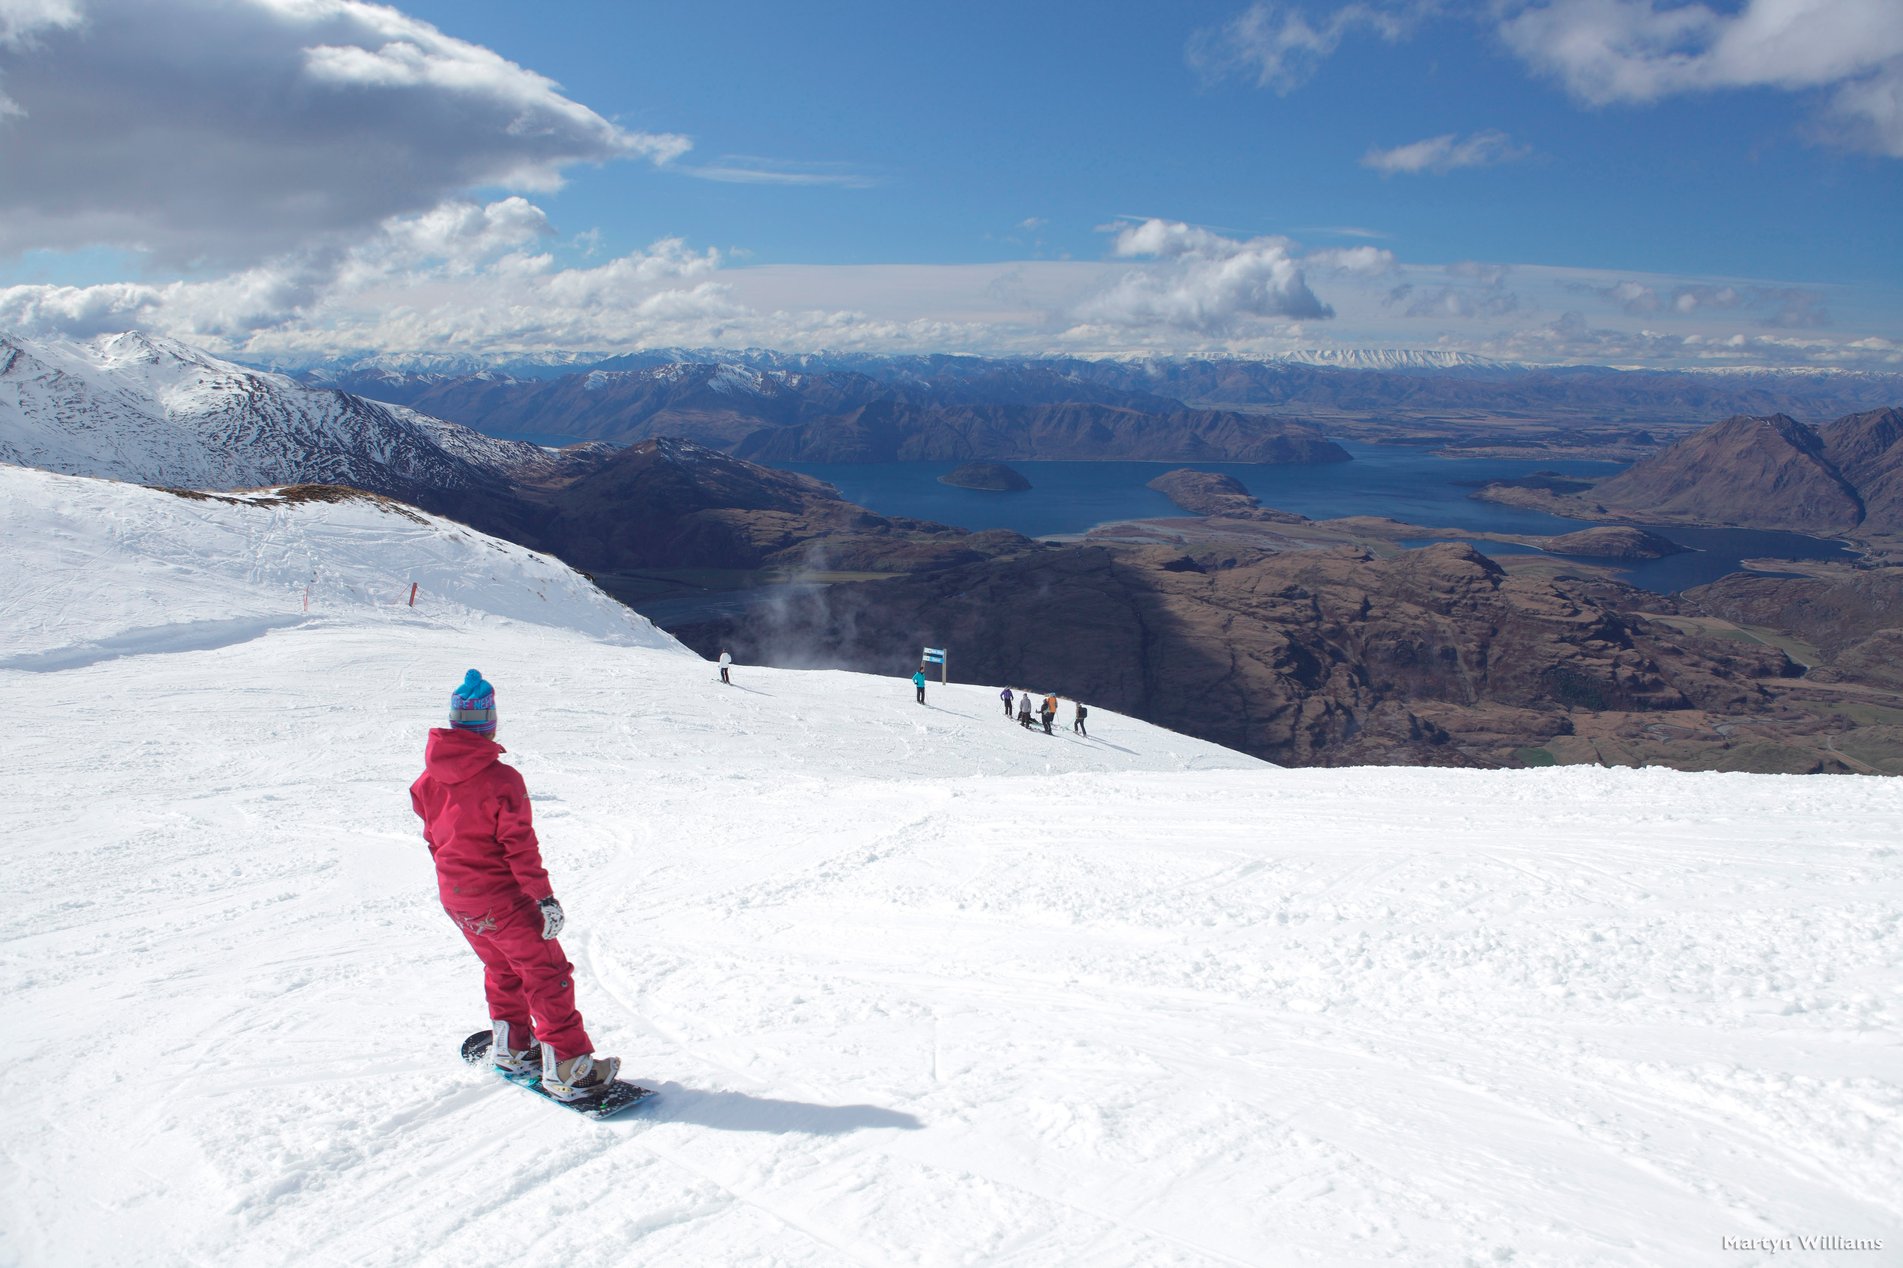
(294, 180)
(482, 280)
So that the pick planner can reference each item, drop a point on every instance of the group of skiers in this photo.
(1031, 708)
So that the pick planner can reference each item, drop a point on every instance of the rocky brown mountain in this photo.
(1868, 449)
(674, 504)
(1762, 472)
(1852, 616)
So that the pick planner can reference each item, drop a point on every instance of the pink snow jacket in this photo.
(475, 814)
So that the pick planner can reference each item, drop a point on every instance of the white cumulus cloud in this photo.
(228, 132)
(1847, 54)
(1445, 153)
(1607, 51)
(1201, 280)
(1280, 45)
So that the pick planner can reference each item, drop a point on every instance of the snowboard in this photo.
(619, 1096)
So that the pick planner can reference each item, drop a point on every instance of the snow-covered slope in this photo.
(96, 569)
(142, 408)
(916, 986)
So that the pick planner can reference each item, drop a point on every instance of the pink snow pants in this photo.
(529, 982)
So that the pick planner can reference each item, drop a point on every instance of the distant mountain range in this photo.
(718, 397)
(995, 411)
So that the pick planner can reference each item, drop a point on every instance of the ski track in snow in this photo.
(915, 986)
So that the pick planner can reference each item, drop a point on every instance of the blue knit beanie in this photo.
(472, 706)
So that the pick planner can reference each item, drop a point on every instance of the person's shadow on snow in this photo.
(738, 1112)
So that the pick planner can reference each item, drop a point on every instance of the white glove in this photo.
(552, 918)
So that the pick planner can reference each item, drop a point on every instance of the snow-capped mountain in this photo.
(914, 985)
(141, 408)
(1395, 360)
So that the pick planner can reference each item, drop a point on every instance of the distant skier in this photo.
(1005, 696)
(918, 681)
(1024, 709)
(726, 662)
(1049, 710)
(1077, 723)
(489, 872)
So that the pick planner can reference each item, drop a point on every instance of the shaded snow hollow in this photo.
(916, 987)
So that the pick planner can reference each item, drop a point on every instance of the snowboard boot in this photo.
(578, 1078)
(509, 1060)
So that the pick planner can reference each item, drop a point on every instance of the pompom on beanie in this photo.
(472, 706)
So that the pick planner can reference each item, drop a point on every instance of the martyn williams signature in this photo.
(1775, 1244)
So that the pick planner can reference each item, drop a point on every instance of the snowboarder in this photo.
(1005, 696)
(726, 662)
(918, 681)
(489, 873)
(1077, 723)
(1024, 709)
(1049, 711)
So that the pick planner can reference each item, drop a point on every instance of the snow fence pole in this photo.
(412, 594)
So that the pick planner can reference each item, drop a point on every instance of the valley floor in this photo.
(915, 986)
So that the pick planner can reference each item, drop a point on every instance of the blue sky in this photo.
(1625, 181)
(970, 119)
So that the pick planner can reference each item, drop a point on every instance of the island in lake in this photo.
(1617, 542)
(1218, 496)
(993, 476)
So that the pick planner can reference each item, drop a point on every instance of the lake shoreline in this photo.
(1397, 495)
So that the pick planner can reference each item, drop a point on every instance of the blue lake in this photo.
(1401, 484)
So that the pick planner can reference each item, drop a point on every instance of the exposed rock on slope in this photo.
(675, 504)
(1853, 616)
(1312, 657)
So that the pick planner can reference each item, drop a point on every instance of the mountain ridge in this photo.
(1769, 472)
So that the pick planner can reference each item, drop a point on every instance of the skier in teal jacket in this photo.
(918, 681)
